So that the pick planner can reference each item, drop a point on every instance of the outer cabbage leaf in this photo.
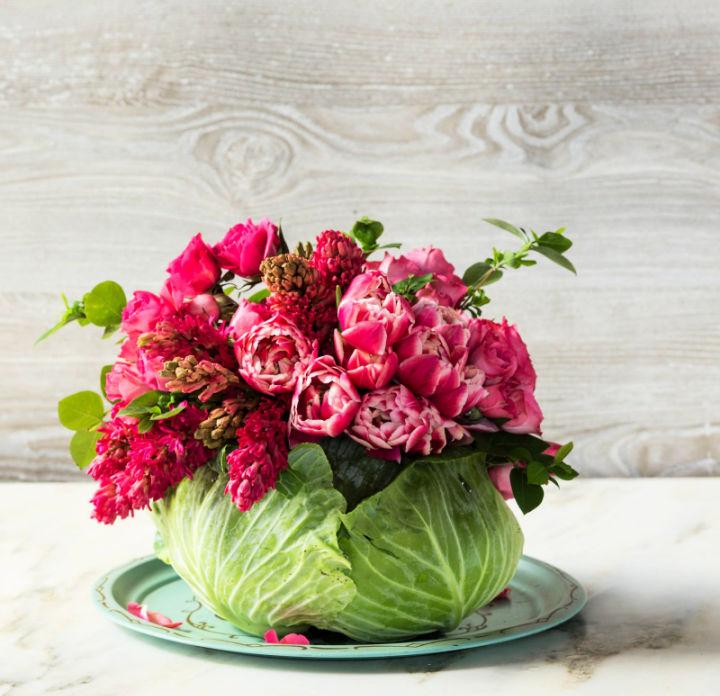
(435, 545)
(277, 565)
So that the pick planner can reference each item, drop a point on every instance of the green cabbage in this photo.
(417, 556)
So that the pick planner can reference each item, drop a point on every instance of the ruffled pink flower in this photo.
(393, 420)
(196, 270)
(271, 637)
(133, 468)
(247, 315)
(372, 317)
(272, 355)
(124, 383)
(365, 370)
(325, 401)
(244, 247)
(142, 312)
(446, 288)
(261, 454)
(142, 612)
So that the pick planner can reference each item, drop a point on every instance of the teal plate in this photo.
(541, 597)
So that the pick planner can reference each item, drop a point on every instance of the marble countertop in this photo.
(646, 550)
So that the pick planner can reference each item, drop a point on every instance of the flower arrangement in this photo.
(332, 449)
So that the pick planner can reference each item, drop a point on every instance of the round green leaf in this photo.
(104, 304)
(81, 411)
(82, 447)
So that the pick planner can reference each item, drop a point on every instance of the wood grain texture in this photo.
(126, 127)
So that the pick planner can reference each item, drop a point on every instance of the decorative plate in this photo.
(541, 597)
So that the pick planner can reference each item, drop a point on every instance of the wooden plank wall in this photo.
(125, 127)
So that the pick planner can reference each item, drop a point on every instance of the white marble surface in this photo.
(647, 551)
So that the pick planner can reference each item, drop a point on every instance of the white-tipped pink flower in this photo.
(372, 317)
(273, 354)
(393, 420)
(365, 370)
(325, 401)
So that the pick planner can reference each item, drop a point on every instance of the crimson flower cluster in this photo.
(333, 348)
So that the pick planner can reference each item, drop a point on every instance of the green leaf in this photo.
(411, 285)
(563, 471)
(141, 405)
(104, 304)
(555, 241)
(259, 296)
(169, 414)
(537, 473)
(82, 447)
(144, 425)
(527, 495)
(506, 226)
(81, 411)
(110, 330)
(366, 232)
(563, 452)
(557, 257)
(76, 312)
(473, 273)
(103, 375)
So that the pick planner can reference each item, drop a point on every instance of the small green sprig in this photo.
(366, 233)
(539, 470)
(551, 245)
(409, 287)
(154, 406)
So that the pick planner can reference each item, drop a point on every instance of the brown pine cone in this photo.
(288, 273)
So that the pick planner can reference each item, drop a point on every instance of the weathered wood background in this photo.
(125, 127)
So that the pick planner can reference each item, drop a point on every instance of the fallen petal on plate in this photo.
(505, 594)
(142, 612)
(271, 636)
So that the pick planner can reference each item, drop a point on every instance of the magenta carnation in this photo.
(325, 400)
(338, 258)
(261, 454)
(133, 468)
(246, 245)
(393, 420)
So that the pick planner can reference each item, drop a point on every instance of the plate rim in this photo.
(104, 600)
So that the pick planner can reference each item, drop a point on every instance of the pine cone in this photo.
(189, 375)
(288, 273)
(223, 421)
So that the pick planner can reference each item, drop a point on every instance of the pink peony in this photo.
(244, 247)
(446, 288)
(365, 370)
(247, 315)
(272, 355)
(393, 420)
(260, 456)
(195, 271)
(142, 312)
(372, 317)
(515, 402)
(325, 400)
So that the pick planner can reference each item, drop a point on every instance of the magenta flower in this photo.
(272, 355)
(244, 247)
(142, 612)
(446, 288)
(393, 420)
(372, 317)
(143, 311)
(195, 271)
(325, 401)
(515, 402)
(365, 370)
(271, 637)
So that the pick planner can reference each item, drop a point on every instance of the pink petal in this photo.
(142, 612)
(368, 336)
(420, 373)
(505, 594)
(271, 637)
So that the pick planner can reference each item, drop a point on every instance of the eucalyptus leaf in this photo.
(104, 304)
(81, 411)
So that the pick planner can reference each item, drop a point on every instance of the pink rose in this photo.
(204, 306)
(143, 311)
(365, 370)
(325, 400)
(500, 477)
(371, 317)
(515, 402)
(393, 420)
(124, 383)
(247, 315)
(196, 270)
(272, 355)
(446, 288)
(244, 247)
